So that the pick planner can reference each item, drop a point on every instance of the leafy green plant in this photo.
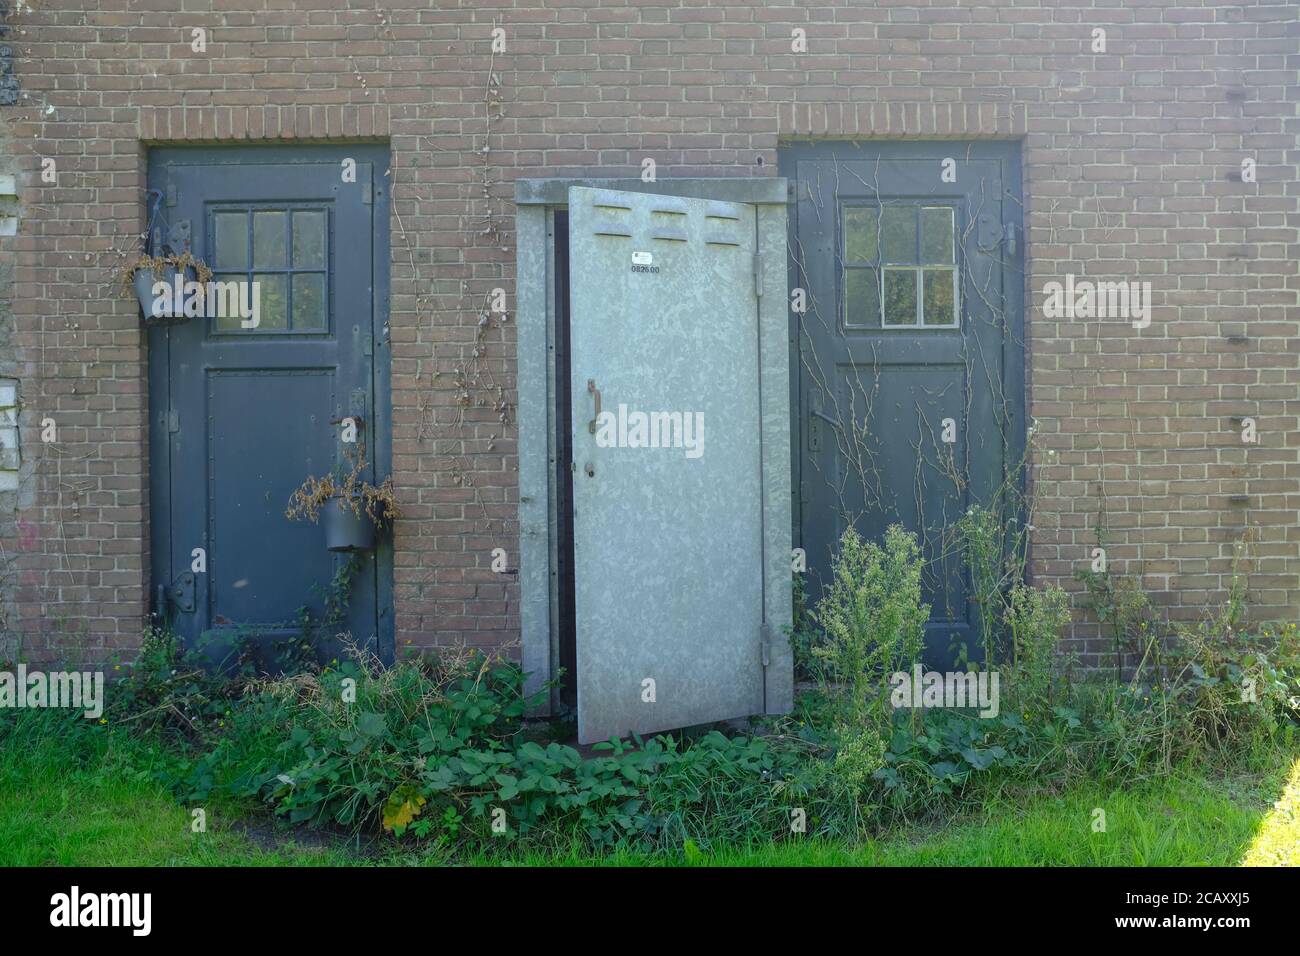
(802, 632)
(1035, 620)
(871, 615)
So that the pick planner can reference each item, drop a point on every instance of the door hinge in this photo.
(758, 274)
(367, 185)
(178, 236)
(180, 593)
(765, 643)
(173, 421)
(1009, 238)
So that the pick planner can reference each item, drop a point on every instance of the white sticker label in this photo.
(642, 259)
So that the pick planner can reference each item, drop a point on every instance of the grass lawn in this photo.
(101, 807)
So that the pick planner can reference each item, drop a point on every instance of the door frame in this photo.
(537, 201)
(158, 159)
(1015, 346)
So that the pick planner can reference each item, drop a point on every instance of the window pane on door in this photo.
(936, 234)
(861, 298)
(900, 297)
(230, 236)
(228, 319)
(274, 302)
(940, 307)
(898, 233)
(309, 301)
(269, 240)
(308, 239)
(861, 234)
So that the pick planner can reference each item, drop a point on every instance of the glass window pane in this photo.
(900, 296)
(940, 309)
(861, 298)
(898, 233)
(274, 312)
(230, 236)
(308, 239)
(269, 240)
(861, 233)
(309, 301)
(936, 234)
(228, 320)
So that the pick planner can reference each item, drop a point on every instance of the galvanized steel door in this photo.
(910, 354)
(668, 539)
(240, 416)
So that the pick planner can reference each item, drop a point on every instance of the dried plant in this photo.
(159, 264)
(349, 489)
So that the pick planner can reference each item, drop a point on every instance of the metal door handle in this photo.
(593, 390)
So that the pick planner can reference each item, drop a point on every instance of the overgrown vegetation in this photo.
(436, 754)
(1206, 695)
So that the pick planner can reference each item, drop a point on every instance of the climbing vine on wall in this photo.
(470, 376)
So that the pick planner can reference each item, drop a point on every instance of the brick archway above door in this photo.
(171, 124)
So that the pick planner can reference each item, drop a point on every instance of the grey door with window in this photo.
(908, 353)
(241, 415)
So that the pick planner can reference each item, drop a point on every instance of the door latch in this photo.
(1009, 238)
(595, 392)
(815, 418)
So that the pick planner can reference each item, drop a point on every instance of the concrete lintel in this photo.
(762, 191)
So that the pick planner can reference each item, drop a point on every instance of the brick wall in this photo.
(1129, 155)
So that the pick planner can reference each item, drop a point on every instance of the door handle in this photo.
(594, 391)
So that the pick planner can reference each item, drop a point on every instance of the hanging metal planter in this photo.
(347, 526)
(157, 308)
(167, 262)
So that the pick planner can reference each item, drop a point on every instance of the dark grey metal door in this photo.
(909, 352)
(241, 415)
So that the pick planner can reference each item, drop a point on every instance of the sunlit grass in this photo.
(1278, 841)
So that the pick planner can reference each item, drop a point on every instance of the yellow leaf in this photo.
(398, 812)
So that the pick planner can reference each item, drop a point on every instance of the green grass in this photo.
(82, 794)
(1178, 821)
